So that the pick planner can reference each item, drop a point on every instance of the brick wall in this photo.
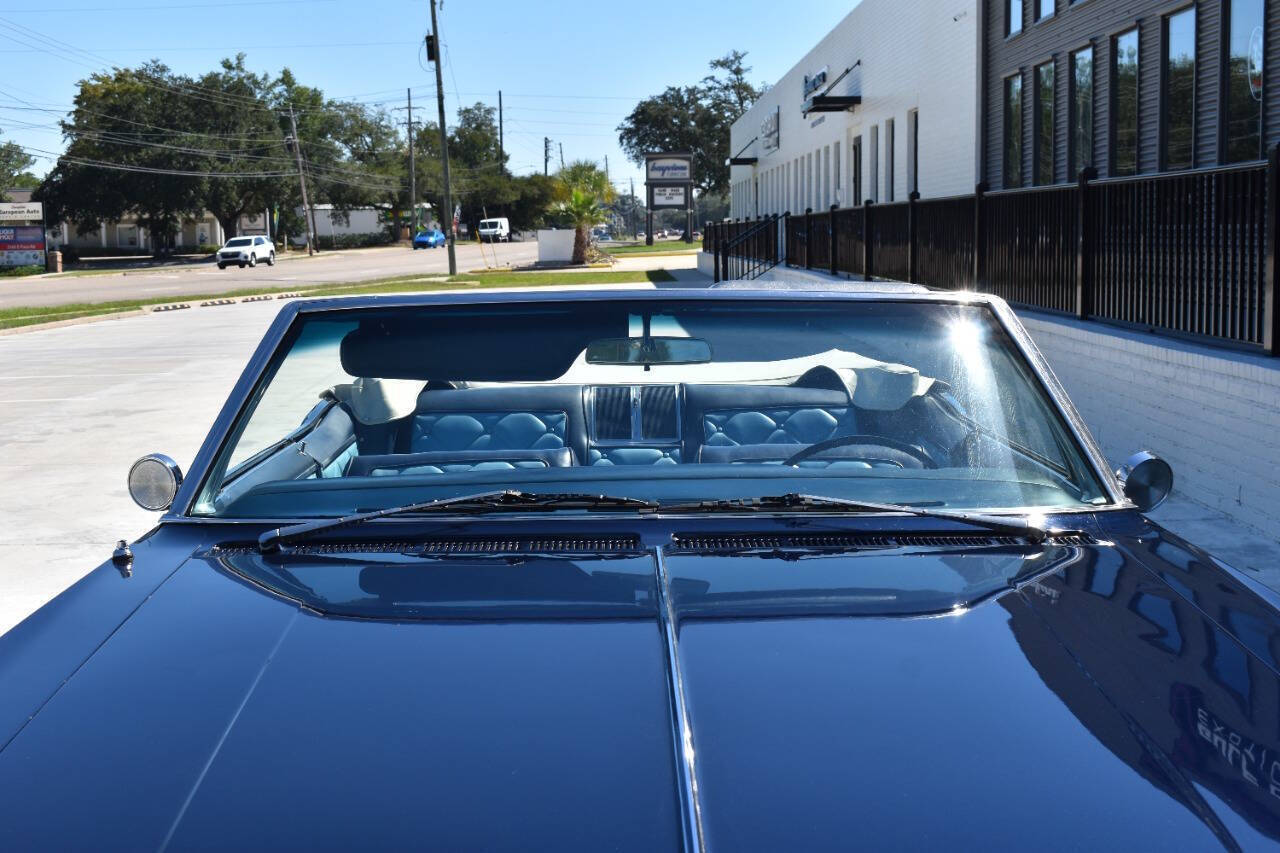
(1214, 415)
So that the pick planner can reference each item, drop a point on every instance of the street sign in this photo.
(667, 168)
(21, 245)
(21, 211)
(670, 197)
(669, 181)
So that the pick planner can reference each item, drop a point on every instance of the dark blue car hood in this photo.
(1125, 696)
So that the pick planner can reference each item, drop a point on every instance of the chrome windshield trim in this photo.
(682, 726)
(1058, 397)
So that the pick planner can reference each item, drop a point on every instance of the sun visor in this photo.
(528, 346)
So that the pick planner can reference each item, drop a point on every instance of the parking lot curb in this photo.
(74, 321)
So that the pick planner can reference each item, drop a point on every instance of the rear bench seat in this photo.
(486, 428)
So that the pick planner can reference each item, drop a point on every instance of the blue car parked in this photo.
(428, 239)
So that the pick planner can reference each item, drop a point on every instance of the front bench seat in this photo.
(846, 456)
(738, 415)
(458, 461)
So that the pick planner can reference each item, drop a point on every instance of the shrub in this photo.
(353, 241)
(14, 272)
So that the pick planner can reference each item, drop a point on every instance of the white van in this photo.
(495, 230)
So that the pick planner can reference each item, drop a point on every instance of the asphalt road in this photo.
(205, 278)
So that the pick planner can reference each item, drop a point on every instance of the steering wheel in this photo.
(845, 440)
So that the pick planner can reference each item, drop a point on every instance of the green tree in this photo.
(238, 112)
(116, 163)
(694, 118)
(583, 192)
(14, 163)
(583, 211)
(535, 196)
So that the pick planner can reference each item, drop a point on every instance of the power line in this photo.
(243, 47)
(164, 7)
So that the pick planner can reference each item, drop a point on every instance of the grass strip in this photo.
(674, 247)
(13, 317)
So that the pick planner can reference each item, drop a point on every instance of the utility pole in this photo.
(546, 156)
(562, 155)
(413, 169)
(433, 51)
(293, 142)
(502, 148)
(633, 207)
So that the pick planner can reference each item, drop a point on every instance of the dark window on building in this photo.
(1080, 139)
(855, 171)
(889, 148)
(1124, 104)
(874, 171)
(1179, 89)
(1044, 124)
(1244, 81)
(913, 151)
(1013, 131)
(1012, 17)
(1044, 9)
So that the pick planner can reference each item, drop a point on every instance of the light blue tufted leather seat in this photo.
(635, 456)
(540, 430)
(732, 427)
(499, 419)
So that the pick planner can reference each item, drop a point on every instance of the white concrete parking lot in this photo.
(83, 402)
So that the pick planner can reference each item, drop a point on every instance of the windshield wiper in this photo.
(769, 503)
(496, 501)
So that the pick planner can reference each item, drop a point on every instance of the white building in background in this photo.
(885, 105)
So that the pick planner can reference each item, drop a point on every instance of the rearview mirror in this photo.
(648, 351)
(1146, 479)
(154, 482)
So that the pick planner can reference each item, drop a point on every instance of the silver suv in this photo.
(246, 252)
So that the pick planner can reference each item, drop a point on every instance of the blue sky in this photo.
(568, 70)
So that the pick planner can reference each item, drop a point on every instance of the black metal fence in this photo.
(749, 252)
(1188, 253)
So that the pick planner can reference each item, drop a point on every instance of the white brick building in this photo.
(914, 64)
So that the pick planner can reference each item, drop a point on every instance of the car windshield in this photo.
(920, 402)
(239, 241)
(489, 223)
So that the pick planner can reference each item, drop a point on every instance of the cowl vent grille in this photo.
(467, 547)
(703, 543)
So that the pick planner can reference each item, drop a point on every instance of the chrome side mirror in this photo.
(1146, 479)
(154, 482)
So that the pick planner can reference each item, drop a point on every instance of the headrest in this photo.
(379, 401)
(880, 386)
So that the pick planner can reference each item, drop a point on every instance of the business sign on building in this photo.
(21, 211)
(770, 136)
(21, 245)
(669, 168)
(814, 82)
(669, 197)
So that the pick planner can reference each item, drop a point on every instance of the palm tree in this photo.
(584, 211)
(583, 192)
